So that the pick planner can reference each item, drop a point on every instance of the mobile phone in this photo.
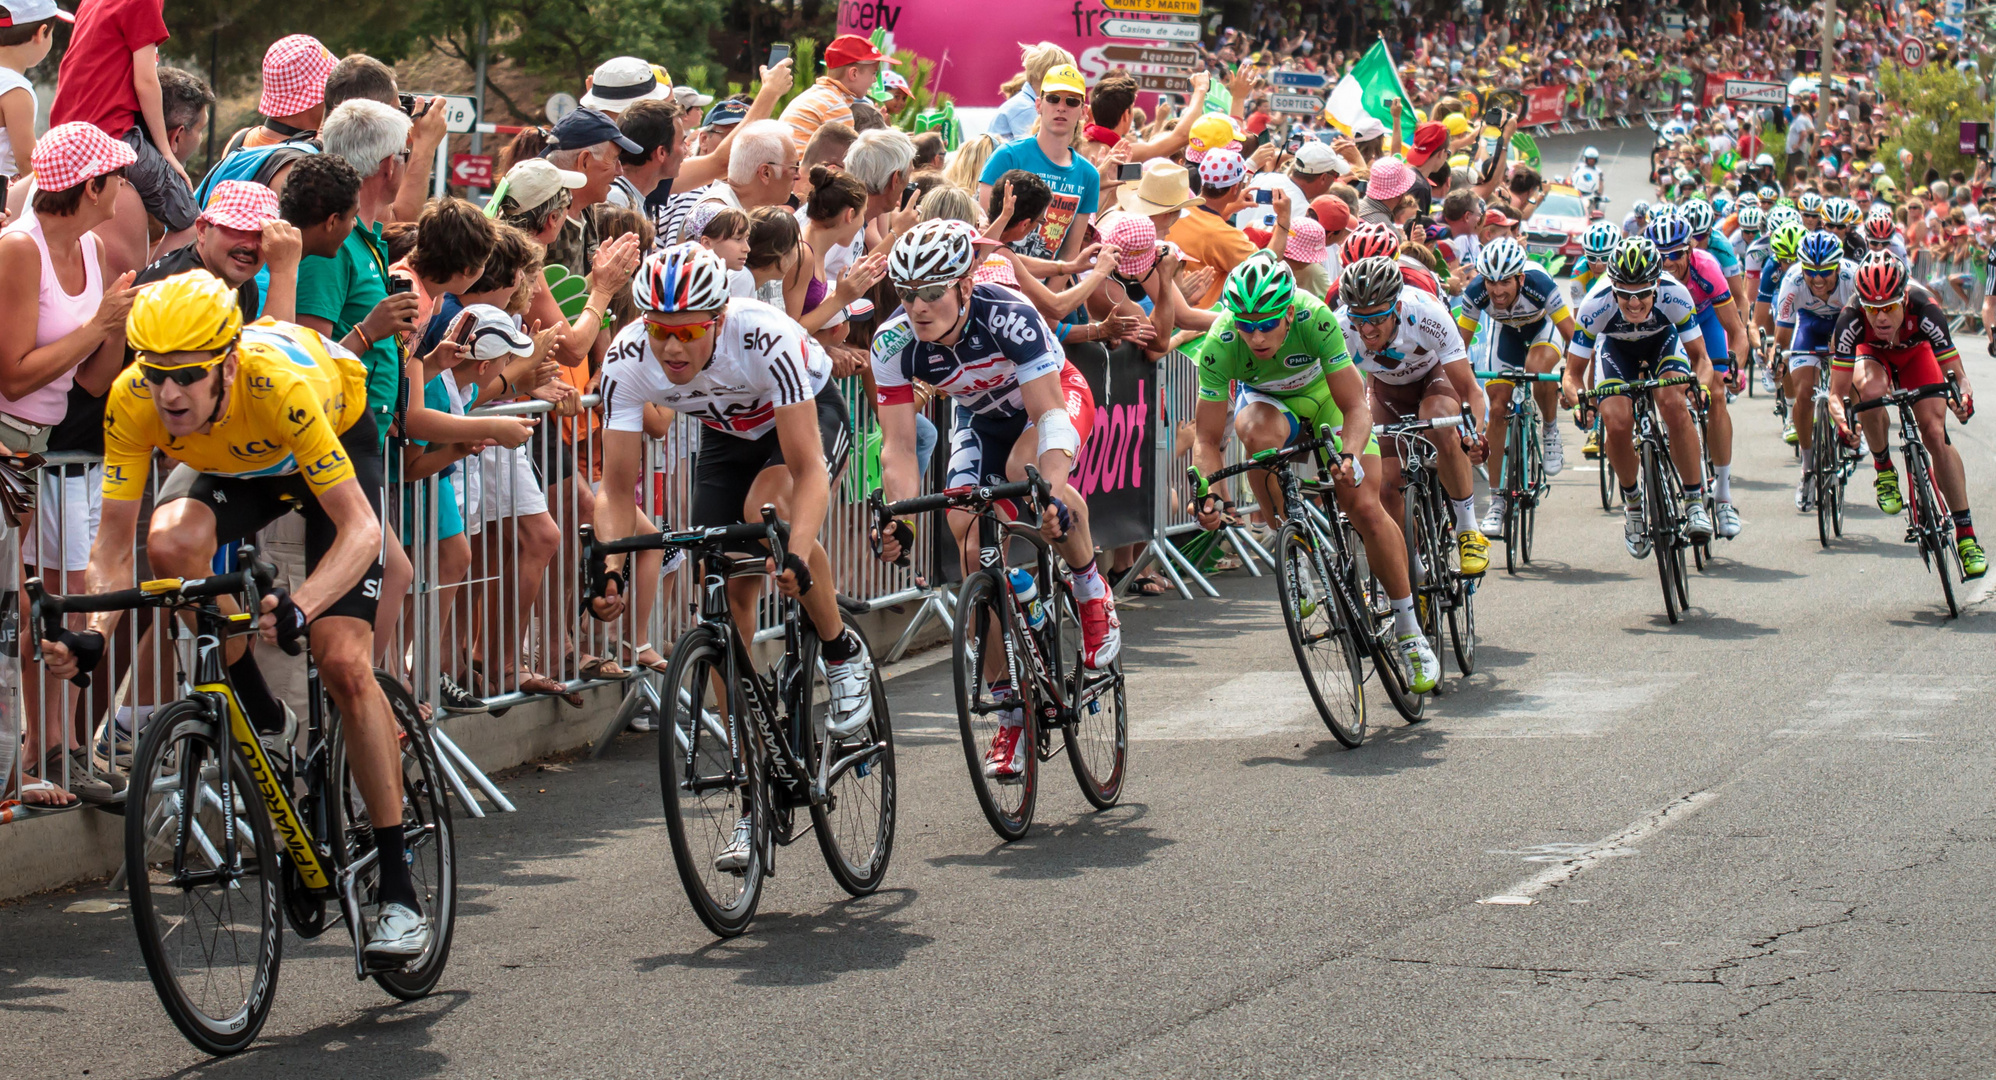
(1265, 196)
(1130, 170)
(778, 54)
(1295, 143)
(461, 327)
(398, 284)
(907, 195)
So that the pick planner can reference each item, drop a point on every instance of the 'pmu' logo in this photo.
(1015, 328)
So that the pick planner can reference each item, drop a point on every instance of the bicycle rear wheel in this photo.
(1321, 635)
(1605, 474)
(855, 822)
(426, 833)
(1462, 628)
(1823, 464)
(205, 891)
(985, 629)
(1517, 492)
(711, 777)
(1098, 732)
(1935, 526)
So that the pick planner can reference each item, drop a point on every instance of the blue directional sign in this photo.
(1310, 80)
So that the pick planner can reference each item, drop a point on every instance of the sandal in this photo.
(602, 668)
(639, 652)
(1149, 585)
(42, 795)
(533, 682)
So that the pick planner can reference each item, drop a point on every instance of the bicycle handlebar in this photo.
(255, 579)
(1266, 459)
(1517, 376)
(771, 530)
(1949, 389)
(1612, 389)
(967, 497)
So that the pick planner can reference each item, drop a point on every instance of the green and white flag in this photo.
(1365, 91)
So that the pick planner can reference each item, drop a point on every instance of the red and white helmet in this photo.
(1881, 279)
(683, 277)
(1368, 240)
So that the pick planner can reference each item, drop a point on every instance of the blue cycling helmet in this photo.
(1668, 231)
(1820, 251)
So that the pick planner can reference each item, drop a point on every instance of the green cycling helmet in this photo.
(1786, 243)
(1262, 286)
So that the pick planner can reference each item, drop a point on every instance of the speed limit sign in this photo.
(1912, 52)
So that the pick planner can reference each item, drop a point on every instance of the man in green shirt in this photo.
(1281, 356)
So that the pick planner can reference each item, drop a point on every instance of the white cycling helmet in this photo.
(1600, 239)
(1752, 218)
(937, 250)
(683, 277)
(1591, 154)
(1501, 258)
(1782, 215)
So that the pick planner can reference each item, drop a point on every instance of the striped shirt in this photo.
(823, 103)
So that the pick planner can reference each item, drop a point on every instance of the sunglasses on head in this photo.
(1063, 101)
(1381, 315)
(927, 294)
(684, 332)
(181, 376)
(1261, 326)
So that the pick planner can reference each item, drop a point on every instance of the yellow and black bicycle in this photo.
(229, 830)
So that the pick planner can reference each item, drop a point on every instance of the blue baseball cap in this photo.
(585, 128)
(726, 114)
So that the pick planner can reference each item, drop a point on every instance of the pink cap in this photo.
(294, 75)
(1134, 237)
(1221, 168)
(1306, 241)
(240, 205)
(1391, 178)
(995, 269)
(74, 152)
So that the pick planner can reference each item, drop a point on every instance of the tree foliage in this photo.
(1938, 97)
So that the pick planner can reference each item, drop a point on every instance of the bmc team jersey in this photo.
(1004, 342)
(762, 360)
(294, 394)
(1427, 340)
(1539, 298)
(1923, 326)
(1077, 187)
(1601, 317)
(1314, 348)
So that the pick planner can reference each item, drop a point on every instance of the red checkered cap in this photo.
(240, 205)
(294, 75)
(74, 152)
(1134, 237)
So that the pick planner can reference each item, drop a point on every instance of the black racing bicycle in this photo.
(1928, 522)
(742, 747)
(1035, 642)
(1522, 481)
(229, 830)
(1443, 594)
(1831, 465)
(1662, 489)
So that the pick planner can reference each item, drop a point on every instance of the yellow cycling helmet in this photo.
(191, 312)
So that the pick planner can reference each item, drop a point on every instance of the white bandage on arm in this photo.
(1057, 432)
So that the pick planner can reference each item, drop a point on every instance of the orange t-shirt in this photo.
(1211, 239)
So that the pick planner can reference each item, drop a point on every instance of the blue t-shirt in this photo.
(445, 309)
(1076, 189)
(1722, 250)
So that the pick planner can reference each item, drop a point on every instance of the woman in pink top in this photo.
(59, 325)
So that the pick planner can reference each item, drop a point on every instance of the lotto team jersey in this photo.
(1705, 280)
(294, 394)
(1004, 342)
(762, 360)
(1314, 348)
(1796, 296)
(1076, 189)
(1601, 317)
(1427, 339)
(1539, 298)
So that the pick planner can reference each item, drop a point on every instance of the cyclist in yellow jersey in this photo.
(263, 420)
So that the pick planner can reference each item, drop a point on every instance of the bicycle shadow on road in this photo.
(380, 1042)
(1560, 573)
(1093, 840)
(1699, 622)
(805, 948)
(1389, 752)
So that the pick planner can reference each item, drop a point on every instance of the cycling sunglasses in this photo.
(1891, 308)
(1375, 317)
(1832, 271)
(927, 294)
(1634, 294)
(184, 375)
(684, 333)
(1261, 327)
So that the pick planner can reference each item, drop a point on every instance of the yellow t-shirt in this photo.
(293, 396)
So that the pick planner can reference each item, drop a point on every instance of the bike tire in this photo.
(855, 821)
(431, 843)
(1462, 628)
(1382, 643)
(1007, 807)
(1661, 514)
(1098, 730)
(1515, 492)
(179, 748)
(1839, 490)
(1934, 526)
(708, 758)
(1328, 656)
(1823, 463)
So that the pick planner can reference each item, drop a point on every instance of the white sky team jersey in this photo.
(1795, 295)
(763, 360)
(1427, 339)
(1601, 317)
(1004, 342)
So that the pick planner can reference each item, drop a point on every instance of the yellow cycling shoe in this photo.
(1475, 553)
(1591, 450)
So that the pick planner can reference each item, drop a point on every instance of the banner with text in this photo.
(1543, 105)
(1114, 469)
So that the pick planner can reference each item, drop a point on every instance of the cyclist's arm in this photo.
(804, 455)
(900, 473)
(1566, 326)
(1729, 317)
(111, 557)
(356, 544)
(1042, 395)
(616, 501)
(1468, 390)
(1348, 390)
(1209, 434)
(1466, 324)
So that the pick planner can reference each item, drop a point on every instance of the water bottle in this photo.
(1027, 589)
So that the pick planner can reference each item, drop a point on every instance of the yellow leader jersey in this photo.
(294, 394)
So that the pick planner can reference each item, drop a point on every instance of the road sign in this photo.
(1754, 92)
(560, 104)
(1150, 30)
(460, 114)
(1295, 103)
(471, 170)
(1912, 52)
(1163, 84)
(1155, 7)
(1305, 80)
(1152, 55)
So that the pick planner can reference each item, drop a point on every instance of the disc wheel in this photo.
(710, 776)
(1321, 635)
(985, 632)
(855, 822)
(203, 879)
(1098, 732)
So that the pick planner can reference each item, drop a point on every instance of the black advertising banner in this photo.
(1115, 467)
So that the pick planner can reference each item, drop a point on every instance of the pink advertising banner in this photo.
(976, 48)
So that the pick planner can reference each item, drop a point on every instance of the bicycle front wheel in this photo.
(1934, 525)
(1098, 732)
(1321, 634)
(711, 775)
(1007, 784)
(1666, 541)
(855, 820)
(203, 876)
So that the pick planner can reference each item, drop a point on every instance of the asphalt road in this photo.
(1771, 824)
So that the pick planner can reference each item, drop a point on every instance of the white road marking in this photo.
(1568, 704)
(1622, 843)
(1249, 705)
(1880, 705)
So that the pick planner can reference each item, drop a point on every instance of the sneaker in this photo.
(1101, 633)
(1555, 454)
(1474, 551)
(1973, 563)
(734, 858)
(1886, 484)
(399, 935)
(1422, 667)
(1697, 523)
(851, 685)
(1805, 492)
(1728, 521)
(642, 721)
(1591, 449)
(1005, 762)
(1635, 528)
(456, 699)
(1788, 432)
(1767, 379)
(1493, 518)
